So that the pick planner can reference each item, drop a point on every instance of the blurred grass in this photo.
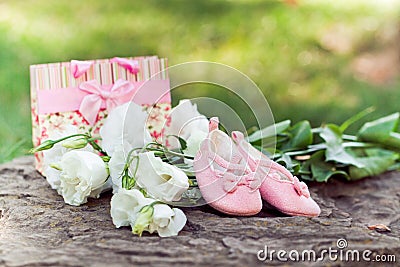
(278, 45)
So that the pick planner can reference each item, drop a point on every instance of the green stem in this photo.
(96, 146)
(349, 137)
(179, 154)
(322, 146)
(70, 136)
(162, 149)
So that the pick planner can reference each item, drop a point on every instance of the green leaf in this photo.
(182, 142)
(335, 150)
(379, 152)
(288, 163)
(269, 131)
(322, 170)
(376, 160)
(374, 165)
(306, 177)
(356, 118)
(379, 130)
(301, 136)
(393, 140)
(394, 167)
(305, 171)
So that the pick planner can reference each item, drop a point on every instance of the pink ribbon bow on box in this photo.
(111, 95)
(78, 68)
(130, 65)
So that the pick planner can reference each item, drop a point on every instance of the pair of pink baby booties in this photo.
(234, 177)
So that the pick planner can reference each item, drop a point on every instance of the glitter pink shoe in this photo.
(279, 187)
(225, 181)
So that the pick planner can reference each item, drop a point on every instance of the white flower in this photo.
(189, 124)
(125, 206)
(125, 125)
(55, 154)
(161, 180)
(166, 221)
(130, 207)
(81, 174)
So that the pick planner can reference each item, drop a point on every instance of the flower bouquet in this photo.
(132, 164)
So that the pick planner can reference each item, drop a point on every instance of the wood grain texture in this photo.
(38, 229)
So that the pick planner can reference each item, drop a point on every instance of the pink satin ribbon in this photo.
(232, 181)
(98, 95)
(130, 65)
(90, 97)
(78, 67)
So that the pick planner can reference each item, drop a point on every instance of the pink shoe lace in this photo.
(231, 181)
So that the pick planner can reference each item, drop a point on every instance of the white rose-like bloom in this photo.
(126, 209)
(161, 180)
(166, 221)
(189, 124)
(82, 174)
(55, 154)
(125, 206)
(125, 125)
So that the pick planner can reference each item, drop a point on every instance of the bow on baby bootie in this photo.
(232, 181)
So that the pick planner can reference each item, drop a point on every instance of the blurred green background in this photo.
(316, 60)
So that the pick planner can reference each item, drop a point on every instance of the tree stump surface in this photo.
(38, 229)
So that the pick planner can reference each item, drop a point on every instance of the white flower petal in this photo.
(179, 220)
(104, 188)
(185, 121)
(161, 180)
(125, 125)
(52, 177)
(167, 221)
(82, 172)
(194, 141)
(125, 205)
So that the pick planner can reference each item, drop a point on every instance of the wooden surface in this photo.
(38, 229)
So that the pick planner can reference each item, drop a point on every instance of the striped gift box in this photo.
(57, 93)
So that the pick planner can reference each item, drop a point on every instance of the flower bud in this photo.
(75, 144)
(143, 220)
(56, 166)
(128, 182)
(43, 146)
(106, 158)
